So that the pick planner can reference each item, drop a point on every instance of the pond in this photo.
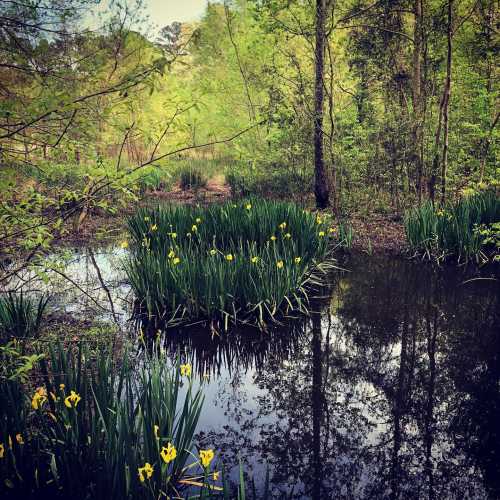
(391, 389)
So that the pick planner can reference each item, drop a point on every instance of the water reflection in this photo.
(391, 391)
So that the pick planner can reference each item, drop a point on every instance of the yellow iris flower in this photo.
(229, 257)
(145, 472)
(288, 236)
(171, 254)
(194, 228)
(72, 400)
(198, 220)
(254, 260)
(168, 453)
(321, 234)
(279, 264)
(124, 244)
(186, 370)
(273, 238)
(213, 251)
(154, 227)
(297, 260)
(282, 225)
(206, 456)
(176, 261)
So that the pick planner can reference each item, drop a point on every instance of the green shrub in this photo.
(283, 183)
(21, 316)
(249, 262)
(154, 178)
(453, 230)
(93, 426)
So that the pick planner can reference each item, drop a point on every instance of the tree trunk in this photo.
(321, 190)
(417, 98)
(447, 93)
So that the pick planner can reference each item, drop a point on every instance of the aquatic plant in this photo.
(247, 262)
(453, 229)
(96, 429)
(21, 316)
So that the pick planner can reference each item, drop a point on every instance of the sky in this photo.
(160, 13)
(163, 12)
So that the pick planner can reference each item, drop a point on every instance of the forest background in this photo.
(401, 96)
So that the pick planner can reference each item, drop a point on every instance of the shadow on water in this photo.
(390, 389)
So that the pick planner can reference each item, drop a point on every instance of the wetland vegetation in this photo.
(254, 254)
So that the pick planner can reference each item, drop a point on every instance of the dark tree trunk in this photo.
(417, 98)
(321, 190)
(447, 94)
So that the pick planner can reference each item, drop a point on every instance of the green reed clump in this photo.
(244, 262)
(191, 177)
(94, 429)
(21, 316)
(454, 229)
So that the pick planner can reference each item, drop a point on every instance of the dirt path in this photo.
(215, 190)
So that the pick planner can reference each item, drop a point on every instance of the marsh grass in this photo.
(249, 262)
(21, 316)
(453, 230)
(95, 446)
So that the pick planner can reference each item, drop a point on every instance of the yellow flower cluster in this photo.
(173, 259)
(229, 257)
(39, 398)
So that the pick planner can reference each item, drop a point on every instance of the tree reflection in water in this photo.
(391, 390)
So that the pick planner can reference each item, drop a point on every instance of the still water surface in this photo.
(391, 389)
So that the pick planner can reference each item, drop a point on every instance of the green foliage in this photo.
(20, 316)
(233, 262)
(14, 365)
(455, 229)
(92, 426)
